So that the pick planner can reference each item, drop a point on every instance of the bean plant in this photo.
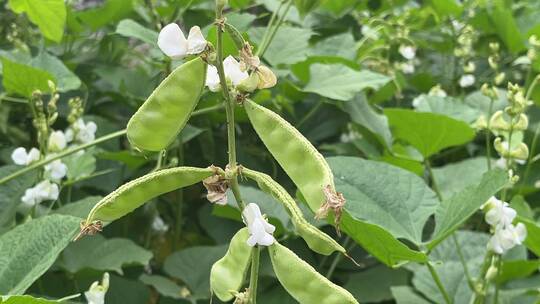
(280, 151)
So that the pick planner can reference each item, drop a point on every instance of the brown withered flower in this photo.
(335, 202)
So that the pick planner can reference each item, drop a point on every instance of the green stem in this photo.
(337, 259)
(254, 276)
(463, 262)
(263, 49)
(483, 284)
(13, 99)
(433, 181)
(268, 27)
(488, 135)
(531, 154)
(439, 283)
(496, 296)
(310, 114)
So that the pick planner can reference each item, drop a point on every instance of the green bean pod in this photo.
(302, 281)
(301, 161)
(163, 115)
(135, 193)
(227, 274)
(317, 240)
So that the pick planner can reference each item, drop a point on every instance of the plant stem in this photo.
(13, 99)
(479, 295)
(488, 140)
(433, 181)
(337, 259)
(463, 262)
(254, 276)
(439, 283)
(268, 27)
(262, 50)
(499, 264)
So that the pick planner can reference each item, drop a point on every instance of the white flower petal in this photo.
(466, 80)
(233, 71)
(520, 233)
(212, 78)
(33, 155)
(56, 170)
(57, 141)
(172, 42)
(196, 41)
(250, 213)
(19, 156)
(407, 51)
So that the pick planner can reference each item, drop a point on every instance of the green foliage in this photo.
(48, 15)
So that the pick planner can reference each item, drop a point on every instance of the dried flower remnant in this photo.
(335, 202)
(217, 186)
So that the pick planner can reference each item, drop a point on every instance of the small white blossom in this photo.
(466, 80)
(407, 51)
(81, 131)
(498, 213)
(407, 67)
(21, 157)
(159, 225)
(43, 191)
(506, 238)
(57, 141)
(173, 43)
(437, 91)
(55, 170)
(96, 293)
(233, 73)
(502, 162)
(259, 229)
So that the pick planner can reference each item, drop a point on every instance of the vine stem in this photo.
(439, 283)
(261, 50)
(254, 276)
(536, 133)
(488, 135)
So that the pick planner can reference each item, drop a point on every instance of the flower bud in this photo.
(249, 84)
(470, 67)
(498, 123)
(491, 273)
(522, 123)
(499, 78)
(480, 123)
(267, 79)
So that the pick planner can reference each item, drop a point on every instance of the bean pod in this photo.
(301, 161)
(163, 115)
(317, 240)
(227, 274)
(302, 281)
(133, 194)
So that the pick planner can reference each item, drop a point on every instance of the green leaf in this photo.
(31, 248)
(340, 82)
(341, 46)
(447, 7)
(24, 79)
(511, 270)
(192, 265)
(12, 191)
(281, 50)
(80, 208)
(48, 15)
(80, 165)
(533, 235)
(429, 133)
(453, 177)
(454, 211)
(163, 285)
(133, 29)
(110, 11)
(373, 284)
(304, 7)
(503, 21)
(407, 295)
(98, 253)
(27, 300)
(395, 199)
(362, 113)
(449, 106)
(67, 80)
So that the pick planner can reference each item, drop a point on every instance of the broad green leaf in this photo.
(67, 80)
(380, 243)
(12, 191)
(27, 300)
(373, 284)
(447, 7)
(123, 290)
(511, 270)
(502, 19)
(454, 211)
(340, 82)
(24, 79)
(98, 253)
(133, 29)
(342, 46)
(449, 106)
(453, 177)
(192, 266)
(533, 235)
(80, 208)
(363, 114)
(449, 267)
(304, 7)
(110, 11)
(163, 285)
(338, 8)
(407, 295)
(80, 165)
(281, 50)
(48, 15)
(395, 199)
(31, 248)
(429, 133)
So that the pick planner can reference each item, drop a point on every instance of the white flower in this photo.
(498, 213)
(56, 170)
(57, 141)
(96, 293)
(502, 162)
(173, 43)
(407, 51)
(21, 157)
(232, 70)
(259, 229)
(506, 238)
(407, 67)
(81, 131)
(43, 191)
(437, 91)
(466, 80)
(159, 225)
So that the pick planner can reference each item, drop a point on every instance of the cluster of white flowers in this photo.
(48, 189)
(96, 292)
(260, 231)
(499, 215)
(408, 52)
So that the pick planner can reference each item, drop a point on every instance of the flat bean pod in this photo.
(227, 274)
(302, 281)
(317, 240)
(163, 115)
(301, 161)
(133, 194)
